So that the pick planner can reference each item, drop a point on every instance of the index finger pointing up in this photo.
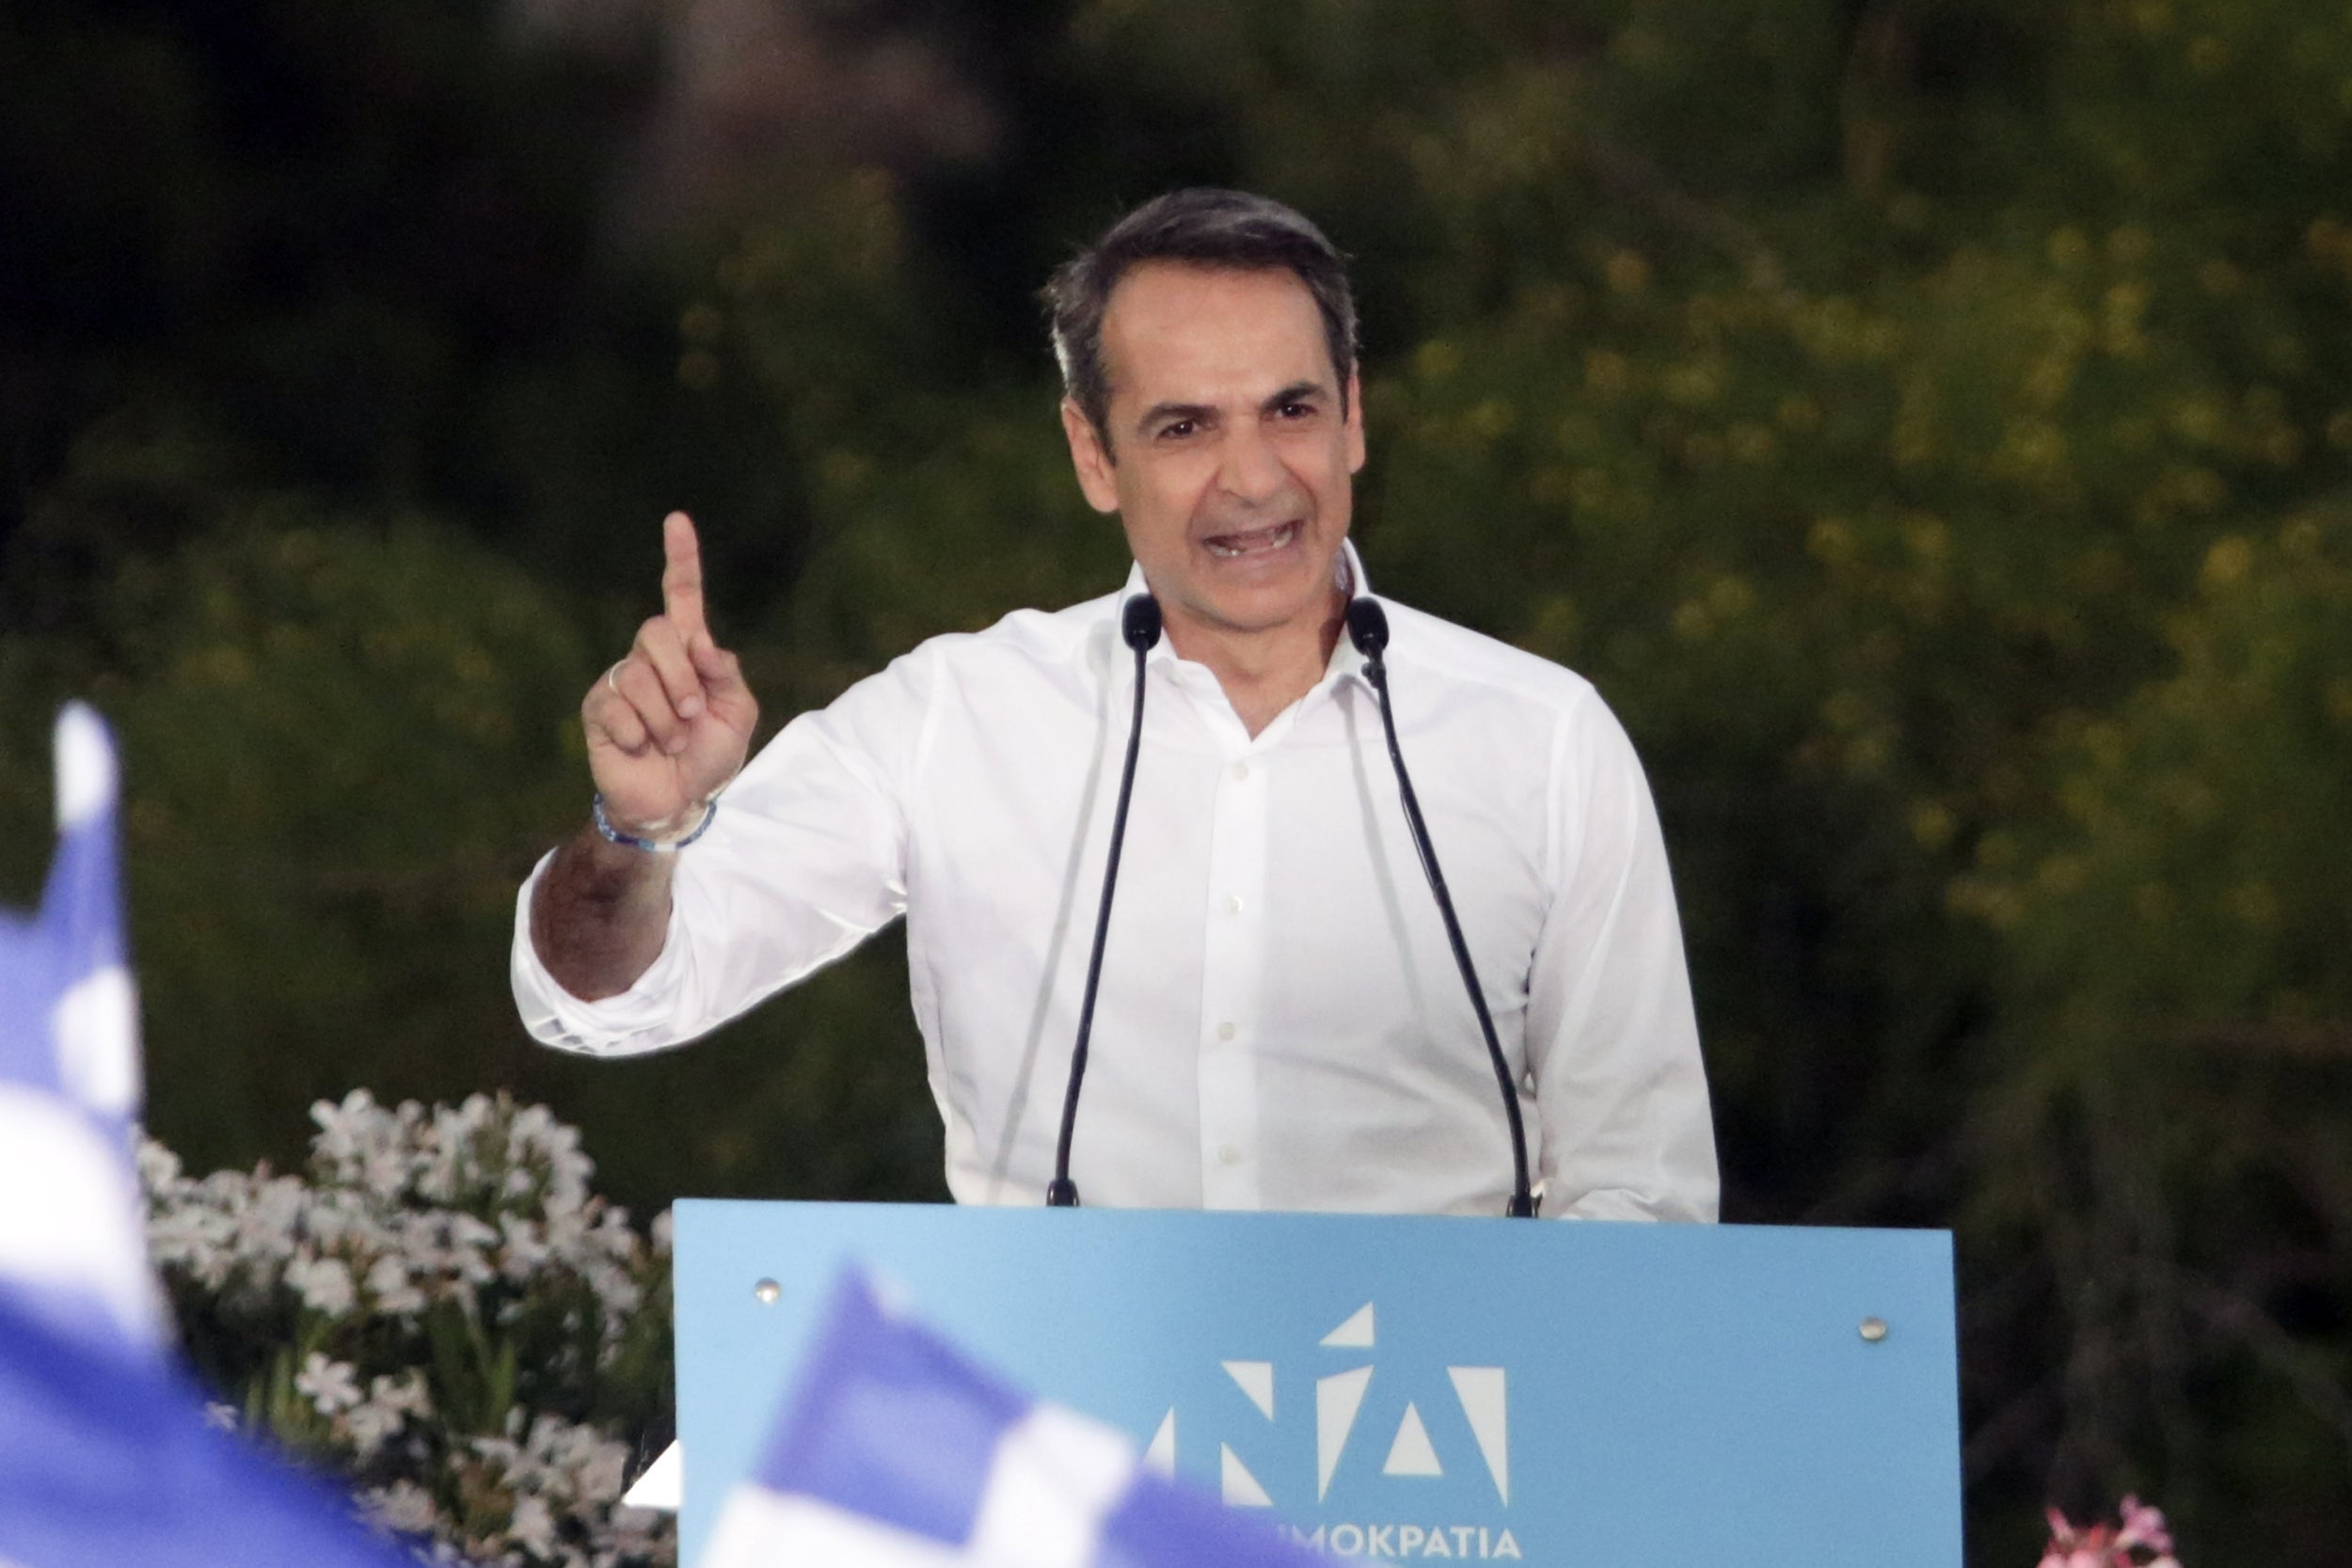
(682, 576)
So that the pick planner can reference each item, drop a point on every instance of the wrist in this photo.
(666, 835)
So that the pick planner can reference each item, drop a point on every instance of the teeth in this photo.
(1265, 539)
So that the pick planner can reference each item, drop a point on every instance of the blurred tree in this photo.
(366, 253)
(346, 740)
(1860, 394)
(1925, 419)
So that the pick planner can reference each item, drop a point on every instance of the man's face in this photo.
(1229, 458)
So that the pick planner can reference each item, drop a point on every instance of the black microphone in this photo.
(1139, 627)
(1368, 628)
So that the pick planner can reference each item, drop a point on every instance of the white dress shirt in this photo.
(1281, 1023)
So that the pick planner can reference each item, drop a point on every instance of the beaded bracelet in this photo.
(651, 845)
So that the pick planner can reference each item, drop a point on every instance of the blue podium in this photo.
(1562, 1394)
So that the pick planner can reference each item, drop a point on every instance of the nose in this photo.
(1251, 471)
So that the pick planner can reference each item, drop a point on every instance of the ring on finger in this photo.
(613, 686)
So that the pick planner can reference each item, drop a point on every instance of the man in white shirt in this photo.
(1280, 1021)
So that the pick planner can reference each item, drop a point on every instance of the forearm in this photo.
(1613, 1035)
(599, 915)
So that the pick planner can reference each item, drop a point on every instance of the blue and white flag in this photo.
(106, 1460)
(71, 1250)
(897, 1453)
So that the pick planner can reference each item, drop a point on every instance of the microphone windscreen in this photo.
(1367, 626)
(1140, 625)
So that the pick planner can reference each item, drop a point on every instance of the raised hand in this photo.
(668, 725)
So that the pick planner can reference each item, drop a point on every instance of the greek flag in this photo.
(105, 1457)
(897, 1453)
(72, 1252)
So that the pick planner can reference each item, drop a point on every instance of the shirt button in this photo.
(1231, 1155)
(1241, 771)
(1233, 904)
(1226, 1031)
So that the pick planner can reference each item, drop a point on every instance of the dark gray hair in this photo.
(1207, 227)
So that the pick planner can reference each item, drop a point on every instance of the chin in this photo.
(1269, 610)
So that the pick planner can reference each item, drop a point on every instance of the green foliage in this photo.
(1920, 440)
(1921, 419)
(933, 506)
(2197, 817)
(346, 743)
(342, 738)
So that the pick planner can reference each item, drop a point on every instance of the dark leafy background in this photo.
(1928, 421)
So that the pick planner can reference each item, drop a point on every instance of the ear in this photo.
(1355, 424)
(1090, 458)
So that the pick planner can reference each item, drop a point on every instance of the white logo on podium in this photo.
(1483, 1393)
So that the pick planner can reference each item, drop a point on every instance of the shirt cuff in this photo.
(645, 1017)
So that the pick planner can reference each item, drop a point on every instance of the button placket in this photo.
(1234, 980)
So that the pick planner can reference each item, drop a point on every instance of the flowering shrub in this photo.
(441, 1310)
(2140, 1541)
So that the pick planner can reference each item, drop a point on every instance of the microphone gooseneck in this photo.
(1368, 628)
(1139, 628)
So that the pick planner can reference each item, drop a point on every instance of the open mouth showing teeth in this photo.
(1232, 546)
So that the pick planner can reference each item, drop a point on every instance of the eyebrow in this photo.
(1297, 391)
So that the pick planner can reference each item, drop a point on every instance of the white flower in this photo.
(613, 1287)
(370, 1425)
(402, 1506)
(219, 1417)
(265, 1215)
(449, 1163)
(331, 1217)
(346, 1130)
(467, 1260)
(527, 1250)
(532, 1527)
(390, 1403)
(331, 1387)
(603, 1471)
(388, 1283)
(405, 1393)
(365, 1145)
(187, 1235)
(323, 1284)
(159, 1167)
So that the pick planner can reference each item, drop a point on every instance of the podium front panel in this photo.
(1581, 1395)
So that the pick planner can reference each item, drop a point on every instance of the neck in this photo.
(1263, 671)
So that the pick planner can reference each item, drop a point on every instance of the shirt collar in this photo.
(1346, 663)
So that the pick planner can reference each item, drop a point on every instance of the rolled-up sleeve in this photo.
(1612, 1039)
(805, 859)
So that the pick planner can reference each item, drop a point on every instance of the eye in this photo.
(1178, 429)
(1297, 409)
